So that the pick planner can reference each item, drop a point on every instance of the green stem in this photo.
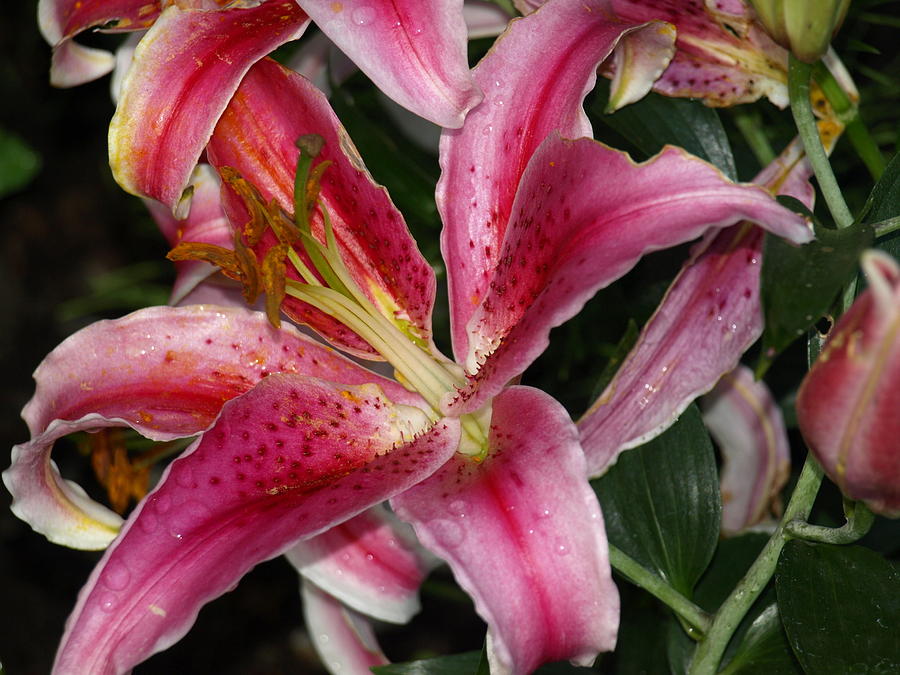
(859, 522)
(798, 88)
(725, 622)
(848, 112)
(752, 129)
(660, 589)
(884, 227)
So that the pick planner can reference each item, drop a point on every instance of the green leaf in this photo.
(656, 120)
(840, 606)
(455, 664)
(764, 649)
(884, 203)
(799, 283)
(19, 163)
(661, 502)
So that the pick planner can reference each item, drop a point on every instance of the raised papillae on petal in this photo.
(256, 138)
(748, 427)
(584, 215)
(371, 563)
(164, 372)
(534, 80)
(290, 458)
(709, 317)
(414, 51)
(847, 404)
(524, 536)
(185, 70)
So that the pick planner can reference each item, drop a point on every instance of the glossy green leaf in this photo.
(656, 120)
(840, 606)
(884, 203)
(799, 283)
(19, 163)
(661, 502)
(764, 649)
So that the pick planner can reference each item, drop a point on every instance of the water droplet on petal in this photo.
(363, 16)
(184, 476)
(545, 513)
(370, 557)
(148, 521)
(560, 548)
(448, 533)
(107, 602)
(116, 576)
(488, 129)
(458, 507)
(323, 638)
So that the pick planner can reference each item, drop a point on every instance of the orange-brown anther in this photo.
(118, 476)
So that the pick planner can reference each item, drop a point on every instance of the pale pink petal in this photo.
(164, 372)
(256, 135)
(639, 60)
(484, 18)
(74, 64)
(371, 563)
(290, 458)
(583, 216)
(205, 223)
(414, 52)
(534, 80)
(723, 56)
(748, 427)
(523, 534)
(311, 60)
(710, 315)
(344, 640)
(185, 70)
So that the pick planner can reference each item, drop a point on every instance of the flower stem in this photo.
(725, 622)
(847, 112)
(799, 74)
(660, 589)
(859, 522)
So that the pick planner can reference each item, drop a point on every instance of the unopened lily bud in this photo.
(803, 26)
(848, 406)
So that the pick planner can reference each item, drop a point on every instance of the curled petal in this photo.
(748, 427)
(534, 80)
(290, 458)
(185, 70)
(371, 563)
(583, 216)
(256, 136)
(344, 640)
(523, 534)
(414, 52)
(710, 315)
(75, 64)
(164, 372)
(484, 18)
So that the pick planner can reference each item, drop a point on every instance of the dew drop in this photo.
(544, 513)
(488, 129)
(163, 504)
(560, 548)
(363, 16)
(370, 557)
(324, 639)
(116, 576)
(498, 102)
(107, 602)
(148, 521)
(458, 507)
(187, 517)
(449, 533)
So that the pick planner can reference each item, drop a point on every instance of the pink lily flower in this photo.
(295, 439)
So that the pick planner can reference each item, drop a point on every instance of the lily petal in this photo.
(414, 52)
(709, 317)
(272, 108)
(371, 563)
(723, 56)
(524, 536)
(74, 64)
(290, 458)
(583, 216)
(185, 70)
(205, 223)
(534, 79)
(344, 640)
(748, 427)
(165, 372)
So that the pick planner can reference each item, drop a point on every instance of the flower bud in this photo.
(848, 406)
(803, 26)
